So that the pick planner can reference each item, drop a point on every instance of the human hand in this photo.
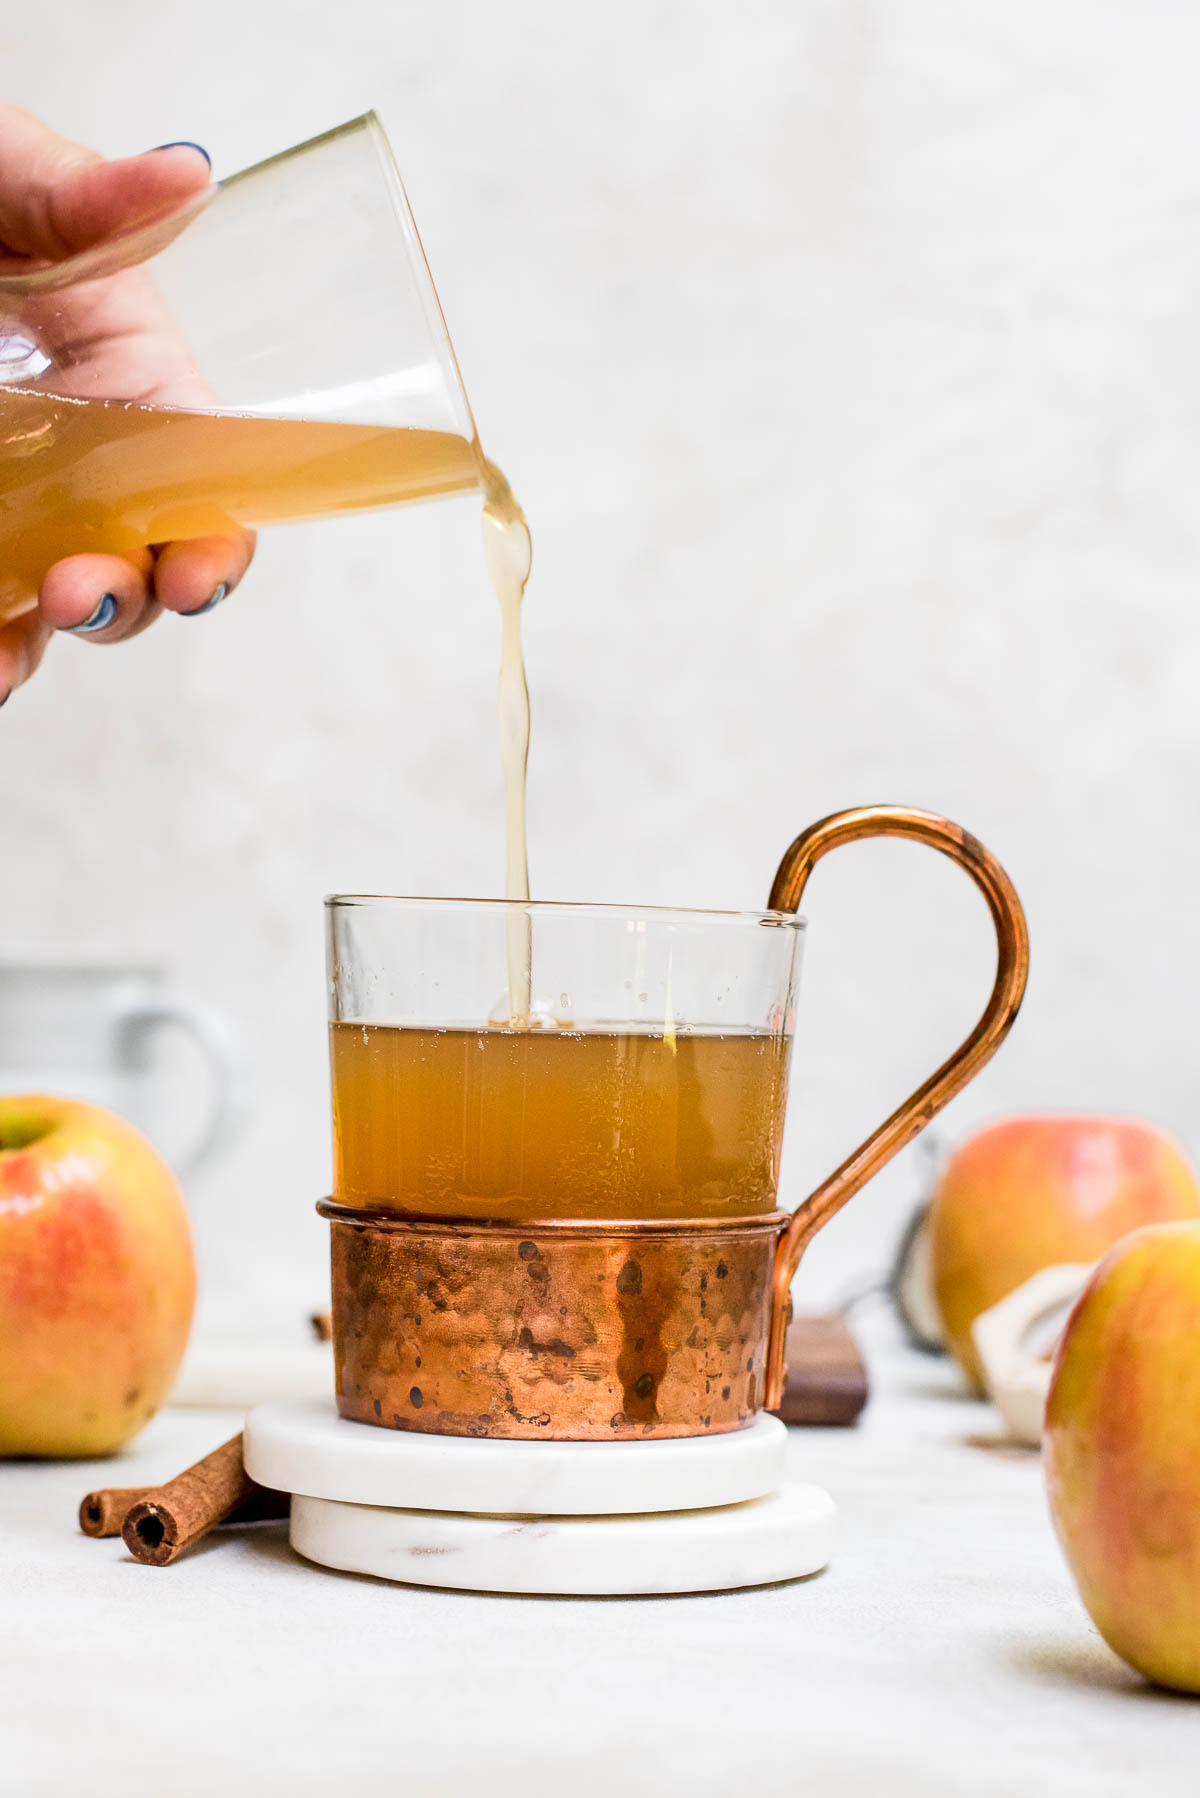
(57, 199)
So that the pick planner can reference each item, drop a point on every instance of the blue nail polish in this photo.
(208, 605)
(100, 619)
(185, 143)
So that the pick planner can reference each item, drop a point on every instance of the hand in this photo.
(57, 199)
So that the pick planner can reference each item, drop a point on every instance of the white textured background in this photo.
(844, 355)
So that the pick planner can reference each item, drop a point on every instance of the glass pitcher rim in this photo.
(138, 243)
(691, 914)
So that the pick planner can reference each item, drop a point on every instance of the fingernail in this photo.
(185, 143)
(208, 605)
(100, 619)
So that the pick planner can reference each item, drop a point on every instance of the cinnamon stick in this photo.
(102, 1513)
(166, 1520)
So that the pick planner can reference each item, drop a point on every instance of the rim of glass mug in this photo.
(773, 919)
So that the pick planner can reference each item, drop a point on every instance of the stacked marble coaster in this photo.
(687, 1514)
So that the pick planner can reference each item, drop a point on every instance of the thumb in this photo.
(57, 198)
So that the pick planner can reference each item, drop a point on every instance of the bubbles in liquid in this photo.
(540, 1014)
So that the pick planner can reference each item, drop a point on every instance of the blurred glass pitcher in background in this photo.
(100, 1031)
(272, 350)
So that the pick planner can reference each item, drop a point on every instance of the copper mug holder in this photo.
(625, 1329)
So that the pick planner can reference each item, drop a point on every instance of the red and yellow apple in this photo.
(1033, 1192)
(1122, 1451)
(97, 1280)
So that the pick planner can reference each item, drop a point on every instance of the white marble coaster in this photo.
(783, 1536)
(304, 1446)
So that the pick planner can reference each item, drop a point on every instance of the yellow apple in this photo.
(1122, 1451)
(97, 1280)
(1033, 1192)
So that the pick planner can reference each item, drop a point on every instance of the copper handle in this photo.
(1012, 970)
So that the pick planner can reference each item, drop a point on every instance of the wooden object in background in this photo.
(826, 1376)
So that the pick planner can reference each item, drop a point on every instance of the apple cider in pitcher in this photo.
(83, 475)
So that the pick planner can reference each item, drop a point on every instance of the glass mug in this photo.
(272, 350)
(569, 1230)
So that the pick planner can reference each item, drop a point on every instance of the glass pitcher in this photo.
(290, 361)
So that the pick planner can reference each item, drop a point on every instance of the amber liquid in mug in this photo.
(519, 1124)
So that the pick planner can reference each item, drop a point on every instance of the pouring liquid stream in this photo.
(508, 552)
(113, 476)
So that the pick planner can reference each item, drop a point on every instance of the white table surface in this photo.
(944, 1651)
